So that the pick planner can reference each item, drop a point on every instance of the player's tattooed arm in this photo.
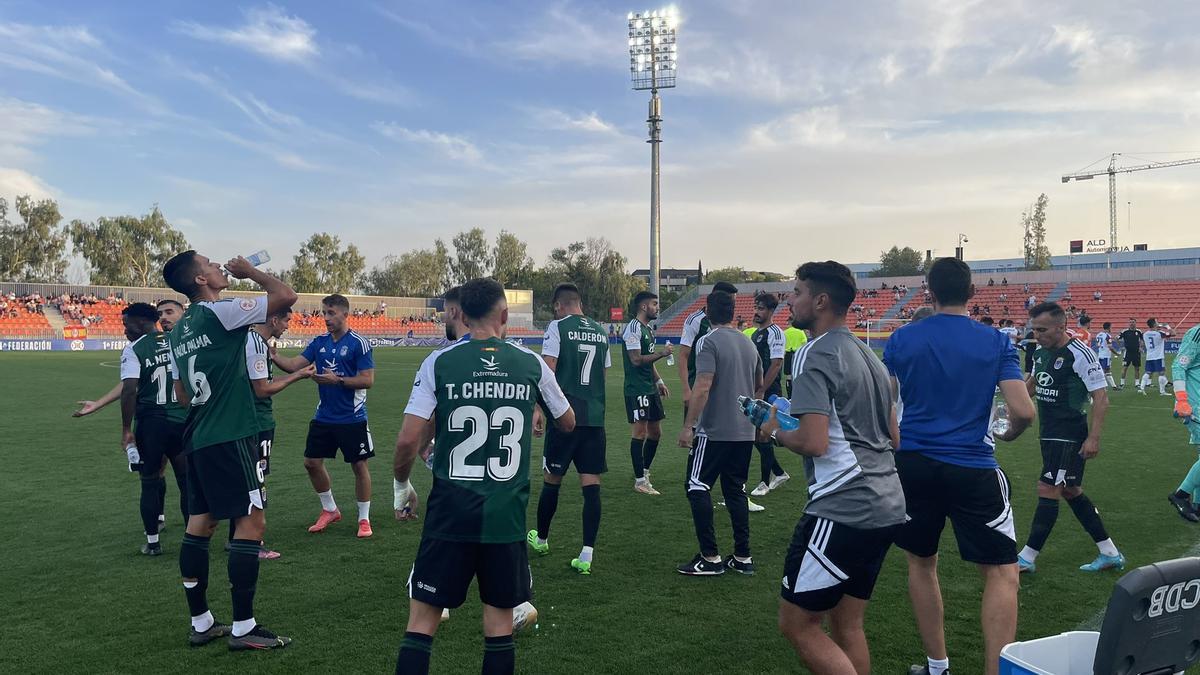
(89, 407)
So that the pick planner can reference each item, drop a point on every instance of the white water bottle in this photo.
(670, 357)
(135, 458)
(258, 258)
(1000, 423)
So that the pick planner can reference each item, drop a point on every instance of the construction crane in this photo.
(1112, 172)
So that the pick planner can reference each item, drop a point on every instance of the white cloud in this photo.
(454, 147)
(563, 34)
(266, 31)
(15, 182)
(821, 126)
(563, 121)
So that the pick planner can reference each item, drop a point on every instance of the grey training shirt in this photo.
(733, 361)
(855, 483)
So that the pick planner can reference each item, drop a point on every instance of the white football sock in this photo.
(203, 622)
(327, 502)
(1111, 384)
(152, 539)
(1029, 554)
(364, 510)
(240, 628)
(542, 542)
(586, 554)
(938, 666)
(1162, 384)
(1107, 547)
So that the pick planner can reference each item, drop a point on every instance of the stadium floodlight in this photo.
(653, 63)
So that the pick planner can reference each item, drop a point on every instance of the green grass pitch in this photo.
(78, 597)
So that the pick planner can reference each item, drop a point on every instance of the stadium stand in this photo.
(23, 316)
(1170, 302)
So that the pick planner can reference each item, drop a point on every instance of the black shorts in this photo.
(975, 500)
(157, 438)
(1133, 359)
(224, 480)
(644, 408)
(585, 447)
(828, 560)
(1062, 463)
(708, 460)
(354, 440)
(266, 439)
(443, 571)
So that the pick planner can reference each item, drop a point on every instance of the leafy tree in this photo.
(1033, 223)
(411, 274)
(34, 250)
(322, 266)
(597, 268)
(127, 250)
(899, 262)
(511, 265)
(733, 275)
(472, 256)
(737, 275)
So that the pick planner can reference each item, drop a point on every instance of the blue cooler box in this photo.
(1067, 654)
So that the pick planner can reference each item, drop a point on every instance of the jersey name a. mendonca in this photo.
(482, 394)
(580, 346)
(148, 359)
(208, 352)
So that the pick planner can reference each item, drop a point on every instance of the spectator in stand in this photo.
(1004, 281)
(1031, 300)
(991, 282)
(1098, 296)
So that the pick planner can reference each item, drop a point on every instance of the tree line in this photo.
(131, 250)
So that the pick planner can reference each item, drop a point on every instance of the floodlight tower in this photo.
(653, 55)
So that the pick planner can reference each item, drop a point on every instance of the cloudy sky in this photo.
(840, 128)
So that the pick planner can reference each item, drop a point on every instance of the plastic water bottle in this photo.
(1000, 423)
(258, 257)
(671, 356)
(135, 458)
(758, 409)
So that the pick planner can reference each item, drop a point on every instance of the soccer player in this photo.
(719, 438)
(793, 340)
(1009, 330)
(694, 328)
(843, 399)
(456, 328)
(1185, 371)
(947, 368)
(476, 398)
(770, 342)
(208, 351)
(1131, 342)
(1155, 338)
(1065, 372)
(258, 369)
(147, 393)
(644, 389)
(345, 371)
(575, 348)
(1104, 344)
(1083, 332)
